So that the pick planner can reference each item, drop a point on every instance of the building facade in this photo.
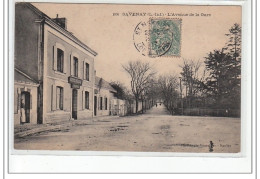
(119, 107)
(103, 98)
(59, 65)
(25, 98)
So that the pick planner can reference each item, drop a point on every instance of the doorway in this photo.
(74, 103)
(25, 107)
(95, 105)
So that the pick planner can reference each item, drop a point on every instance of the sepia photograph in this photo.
(127, 77)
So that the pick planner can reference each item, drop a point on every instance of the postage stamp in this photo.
(164, 37)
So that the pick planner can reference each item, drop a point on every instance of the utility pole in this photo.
(181, 97)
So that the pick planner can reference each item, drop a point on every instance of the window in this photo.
(75, 66)
(105, 103)
(101, 103)
(86, 100)
(59, 98)
(87, 71)
(60, 60)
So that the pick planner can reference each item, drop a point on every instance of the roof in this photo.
(52, 23)
(101, 83)
(20, 76)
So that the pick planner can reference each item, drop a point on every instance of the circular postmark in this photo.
(140, 37)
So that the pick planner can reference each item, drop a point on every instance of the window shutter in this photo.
(53, 98)
(100, 104)
(15, 102)
(79, 69)
(83, 71)
(103, 105)
(88, 71)
(106, 104)
(65, 62)
(54, 58)
(30, 101)
(83, 100)
(61, 98)
(88, 107)
(71, 65)
(18, 101)
(98, 100)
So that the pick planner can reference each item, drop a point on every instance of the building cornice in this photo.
(16, 82)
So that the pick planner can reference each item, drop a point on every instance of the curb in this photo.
(38, 130)
(54, 127)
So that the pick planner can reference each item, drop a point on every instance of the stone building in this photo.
(103, 98)
(54, 69)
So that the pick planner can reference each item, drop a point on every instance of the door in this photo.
(25, 107)
(95, 105)
(74, 103)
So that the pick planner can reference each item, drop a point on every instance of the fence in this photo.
(208, 112)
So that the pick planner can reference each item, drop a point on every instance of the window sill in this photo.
(58, 111)
(76, 77)
(60, 73)
(86, 80)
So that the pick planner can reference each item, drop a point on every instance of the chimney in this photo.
(62, 22)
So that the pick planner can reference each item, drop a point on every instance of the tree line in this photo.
(214, 83)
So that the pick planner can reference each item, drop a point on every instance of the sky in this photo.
(112, 37)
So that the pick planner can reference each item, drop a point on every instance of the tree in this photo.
(152, 92)
(149, 94)
(122, 92)
(218, 83)
(192, 79)
(141, 74)
(169, 85)
(120, 89)
(233, 46)
(224, 66)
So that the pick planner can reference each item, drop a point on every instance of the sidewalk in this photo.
(30, 129)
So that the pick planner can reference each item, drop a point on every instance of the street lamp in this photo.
(181, 96)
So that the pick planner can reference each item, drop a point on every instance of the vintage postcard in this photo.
(132, 78)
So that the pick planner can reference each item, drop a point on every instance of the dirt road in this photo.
(155, 131)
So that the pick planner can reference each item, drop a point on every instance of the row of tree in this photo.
(218, 85)
(214, 84)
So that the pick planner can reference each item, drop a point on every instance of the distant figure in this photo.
(211, 145)
(227, 110)
(160, 104)
(156, 104)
